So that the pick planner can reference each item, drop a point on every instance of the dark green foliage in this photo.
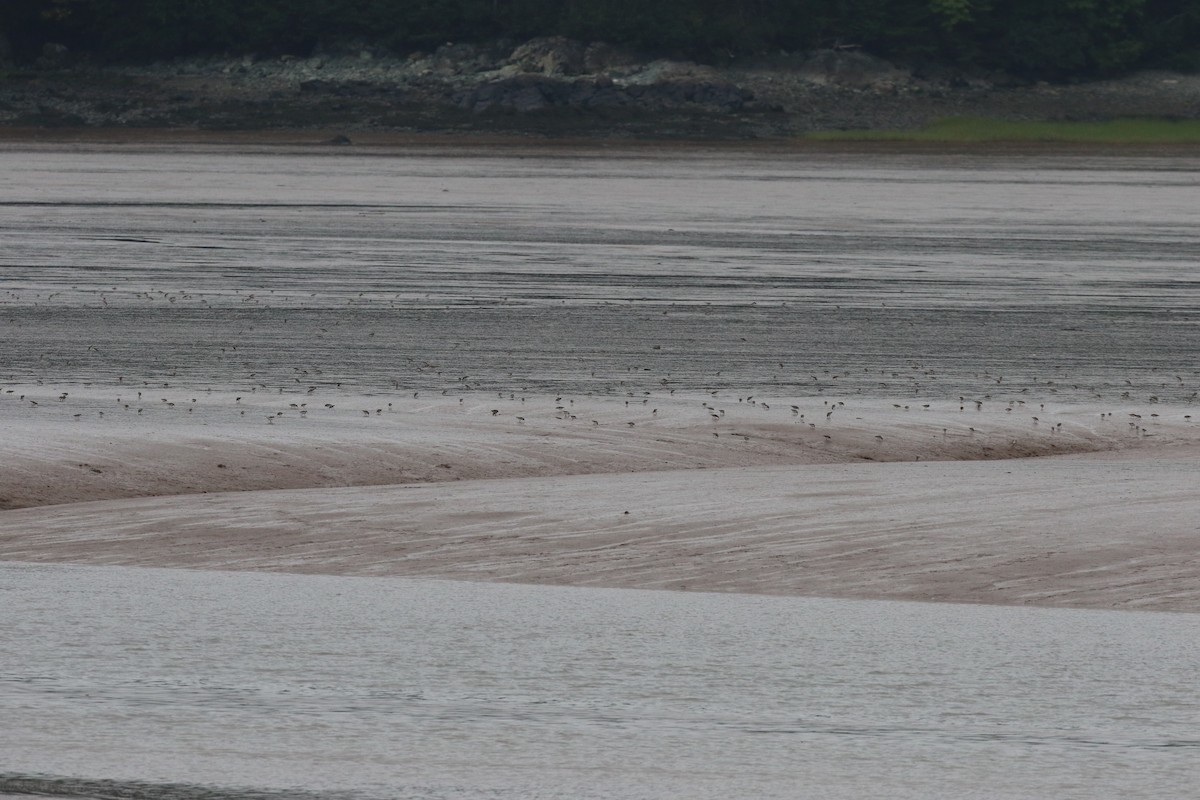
(1074, 37)
(22, 22)
(1171, 34)
(1053, 39)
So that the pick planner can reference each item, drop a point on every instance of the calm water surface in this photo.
(237, 684)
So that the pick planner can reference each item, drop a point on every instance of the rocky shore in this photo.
(552, 87)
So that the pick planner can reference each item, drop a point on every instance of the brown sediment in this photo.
(47, 464)
(886, 504)
(1075, 531)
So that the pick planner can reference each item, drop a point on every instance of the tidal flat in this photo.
(602, 472)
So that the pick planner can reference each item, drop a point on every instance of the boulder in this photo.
(531, 92)
(666, 71)
(347, 88)
(707, 95)
(719, 95)
(463, 59)
(522, 93)
(551, 55)
(851, 68)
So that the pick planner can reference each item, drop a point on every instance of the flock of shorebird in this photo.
(636, 396)
(275, 404)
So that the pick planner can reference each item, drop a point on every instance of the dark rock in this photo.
(721, 95)
(467, 59)
(48, 117)
(340, 140)
(316, 86)
(546, 86)
(939, 76)
(606, 96)
(456, 52)
(553, 55)
(356, 88)
(520, 93)
(528, 98)
(851, 68)
(526, 93)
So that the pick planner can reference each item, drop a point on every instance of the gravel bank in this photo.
(554, 88)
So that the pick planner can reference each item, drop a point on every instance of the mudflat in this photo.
(958, 377)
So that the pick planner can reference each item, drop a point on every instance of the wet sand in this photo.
(791, 379)
(1067, 507)
(66, 450)
(361, 405)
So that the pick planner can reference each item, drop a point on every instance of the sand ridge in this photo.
(911, 500)
(93, 445)
(374, 315)
(1073, 531)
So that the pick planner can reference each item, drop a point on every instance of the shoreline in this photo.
(499, 98)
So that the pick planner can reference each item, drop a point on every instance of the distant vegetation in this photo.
(1051, 39)
(974, 129)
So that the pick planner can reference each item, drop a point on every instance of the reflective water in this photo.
(242, 683)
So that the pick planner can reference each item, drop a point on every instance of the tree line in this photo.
(1033, 39)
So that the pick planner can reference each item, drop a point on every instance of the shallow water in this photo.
(917, 275)
(398, 688)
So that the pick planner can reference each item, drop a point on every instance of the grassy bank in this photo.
(979, 129)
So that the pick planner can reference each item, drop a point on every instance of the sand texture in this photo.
(956, 377)
(875, 500)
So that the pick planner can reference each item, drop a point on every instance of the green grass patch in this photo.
(979, 129)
